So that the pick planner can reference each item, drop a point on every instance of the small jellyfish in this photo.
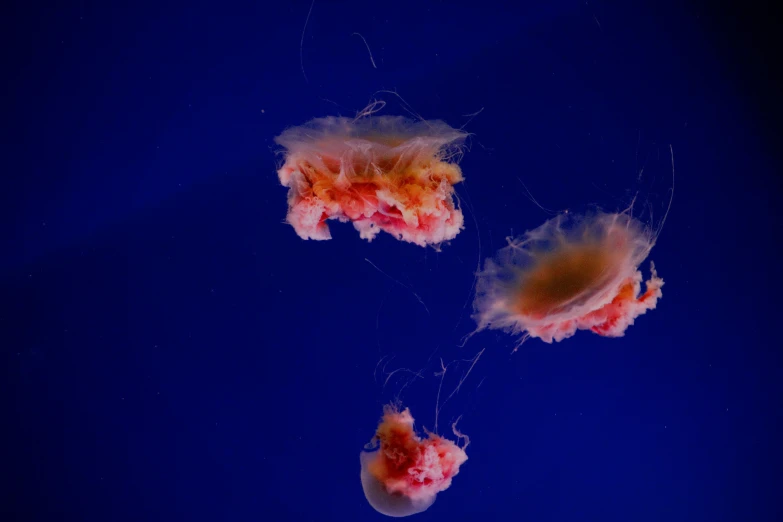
(403, 473)
(571, 273)
(382, 173)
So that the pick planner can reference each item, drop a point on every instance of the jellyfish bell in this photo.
(402, 473)
(382, 500)
(382, 173)
(573, 272)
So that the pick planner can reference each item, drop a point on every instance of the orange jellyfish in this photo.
(571, 273)
(403, 473)
(379, 172)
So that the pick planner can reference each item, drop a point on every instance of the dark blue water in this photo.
(173, 351)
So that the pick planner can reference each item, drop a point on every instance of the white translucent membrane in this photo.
(389, 504)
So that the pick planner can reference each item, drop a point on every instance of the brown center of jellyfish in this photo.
(560, 276)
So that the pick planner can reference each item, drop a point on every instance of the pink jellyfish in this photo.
(404, 473)
(571, 273)
(378, 172)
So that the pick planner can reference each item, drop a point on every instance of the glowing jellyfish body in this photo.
(405, 473)
(379, 172)
(572, 273)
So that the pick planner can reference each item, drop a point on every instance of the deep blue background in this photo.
(172, 351)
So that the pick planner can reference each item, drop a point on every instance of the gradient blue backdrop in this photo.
(172, 351)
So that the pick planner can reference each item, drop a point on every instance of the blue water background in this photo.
(173, 351)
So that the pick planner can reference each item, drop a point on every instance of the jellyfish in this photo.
(402, 473)
(382, 173)
(574, 272)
